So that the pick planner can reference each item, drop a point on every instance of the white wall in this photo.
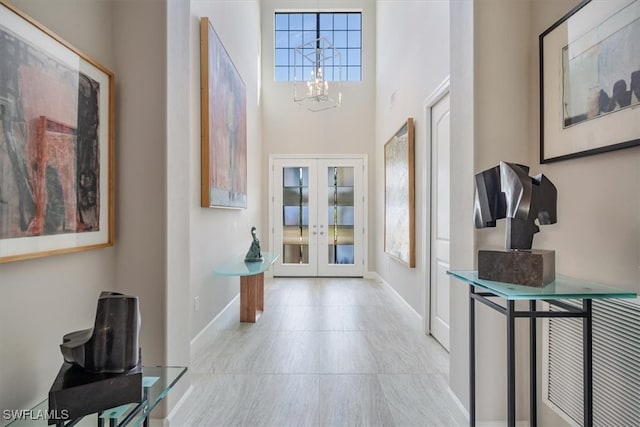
(42, 299)
(412, 60)
(218, 234)
(178, 114)
(490, 118)
(462, 150)
(140, 161)
(290, 129)
(597, 236)
(502, 73)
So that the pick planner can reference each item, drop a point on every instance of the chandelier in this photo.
(317, 75)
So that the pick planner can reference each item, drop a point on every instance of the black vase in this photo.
(112, 345)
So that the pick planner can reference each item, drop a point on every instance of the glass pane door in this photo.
(318, 216)
(295, 227)
(295, 215)
(340, 218)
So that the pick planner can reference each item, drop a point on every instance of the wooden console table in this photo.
(251, 283)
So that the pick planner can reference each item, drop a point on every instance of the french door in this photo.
(318, 216)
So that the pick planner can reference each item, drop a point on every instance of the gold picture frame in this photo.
(399, 195)
(56, 143)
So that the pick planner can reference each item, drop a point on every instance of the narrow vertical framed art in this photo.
(223, 104)
(56, 143)
(399, 195)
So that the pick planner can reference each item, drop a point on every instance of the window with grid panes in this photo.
(342, 29)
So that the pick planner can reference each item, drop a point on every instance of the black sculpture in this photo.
(507, 191)
(254, 254)
(102, 367)
(112, 345)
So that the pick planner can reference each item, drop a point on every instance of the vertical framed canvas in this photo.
(399, 195)
(223, 125)
(56, 143)
(590, 81)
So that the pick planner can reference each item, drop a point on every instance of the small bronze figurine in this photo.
(254, 253)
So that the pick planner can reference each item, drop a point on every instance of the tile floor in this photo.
(326, 352)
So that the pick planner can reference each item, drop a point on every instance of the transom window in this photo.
(342, 29)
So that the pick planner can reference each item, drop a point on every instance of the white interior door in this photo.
(440, 220)
(318, 216)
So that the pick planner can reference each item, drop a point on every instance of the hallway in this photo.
(326, 352)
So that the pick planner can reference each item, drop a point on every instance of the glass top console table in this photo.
(563, 288)
(157, 381)
(251, 283)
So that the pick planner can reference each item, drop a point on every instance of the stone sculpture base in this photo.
(522, 267)
(76, 392)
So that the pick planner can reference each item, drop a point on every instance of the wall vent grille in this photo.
(616, 364)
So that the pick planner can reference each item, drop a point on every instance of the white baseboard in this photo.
(458, 403)
(227, 315)
(418, 317)
(179, 413)
(465, 413)
(372, 275)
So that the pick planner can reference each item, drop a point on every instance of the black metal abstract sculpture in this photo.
(112, 345)
(255, 253)
(507, 191)
(102, 367)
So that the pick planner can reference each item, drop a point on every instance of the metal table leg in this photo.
(587, 360)
(533, 374)
(511, 365)
(472, 358)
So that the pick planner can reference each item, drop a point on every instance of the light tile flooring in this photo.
(326, 352)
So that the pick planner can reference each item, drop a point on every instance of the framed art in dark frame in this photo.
(590, 81)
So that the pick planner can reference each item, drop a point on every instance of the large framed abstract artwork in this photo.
(56, 143)
(399, 195)
(223, 104)
(590, 81)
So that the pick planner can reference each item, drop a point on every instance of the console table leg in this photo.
(260, 292)
(472, 358)
(511, 364)
(533, 374)
(248, 298)
(587, 326)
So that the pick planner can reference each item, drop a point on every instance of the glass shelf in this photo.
(238, 267)
(156, 380)
(562, 288)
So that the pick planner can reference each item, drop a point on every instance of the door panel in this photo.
(440, 220)
(340, 247)
(294, 182)
(318, 217)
